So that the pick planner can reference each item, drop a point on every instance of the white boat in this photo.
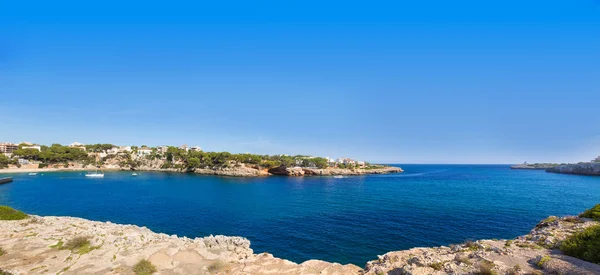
(134, 174)
(95, 175)
(32, 174)
(338, 177)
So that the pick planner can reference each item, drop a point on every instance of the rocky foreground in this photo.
(38, 245)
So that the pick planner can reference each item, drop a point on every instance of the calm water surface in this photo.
(348, 220)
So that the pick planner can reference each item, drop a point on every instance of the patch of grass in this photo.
(486, 268)
(584, 245)
(2, 251)
(80, 245)
(543, 260)
(573, 220)
(592, 213)
(546, 222)
(216, 266)
(515, 270)
(144, 267)
(9, 214)
(58, 245)
(437, 266)
(462, 259)
(508, 243)
(77, 243)
(471, 245)
(550, 219)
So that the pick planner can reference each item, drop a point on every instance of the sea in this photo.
(346, 220)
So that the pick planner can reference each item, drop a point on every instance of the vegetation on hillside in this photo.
(200, 159)
(584, 245)
(98, 148)
(144, 267)
(55, 153)
(5, 161)
(172, 157)
(10, 214)
(593, 213)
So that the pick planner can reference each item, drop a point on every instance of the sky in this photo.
(383, 81)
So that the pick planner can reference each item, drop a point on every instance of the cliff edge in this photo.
(584, 168)
(66, 245)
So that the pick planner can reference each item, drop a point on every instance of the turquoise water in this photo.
(348, 220)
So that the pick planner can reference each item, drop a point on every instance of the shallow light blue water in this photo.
(349, 220)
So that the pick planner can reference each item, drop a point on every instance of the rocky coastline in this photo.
(39, 245)
(534, 166)
(585, 168)
(234, 171)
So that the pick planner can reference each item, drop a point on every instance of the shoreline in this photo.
(243, 171)
(34, 246)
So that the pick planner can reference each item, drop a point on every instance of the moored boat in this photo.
(95, 175)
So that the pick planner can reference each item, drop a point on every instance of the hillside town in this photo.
(181, 157)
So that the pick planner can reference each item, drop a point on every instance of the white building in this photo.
(125, 149)
(196, 148)
(162, 149)
(77, 145)
(346, 161)
(36, 147)
(144, 151)
(112, 151)
(184, 147)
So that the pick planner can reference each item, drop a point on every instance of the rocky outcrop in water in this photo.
(351, 172)
(533, 166)
(585, 168)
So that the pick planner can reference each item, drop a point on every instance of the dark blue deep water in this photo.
(349, 220)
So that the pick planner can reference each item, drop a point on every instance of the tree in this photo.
(321, 163)
(193, 163)
(4, 161)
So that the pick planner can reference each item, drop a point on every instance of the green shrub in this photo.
(593, 213)
(486, 268)
(437, 266)
(42, 165)
(515, 270)
(543, 260)
(80, 245)
(471, 245)
(573, 220)
(462, 259)
(144, 267)
(9, 214)
(2, 251)
(584, 245)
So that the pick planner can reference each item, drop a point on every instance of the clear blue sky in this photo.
(384, 81)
